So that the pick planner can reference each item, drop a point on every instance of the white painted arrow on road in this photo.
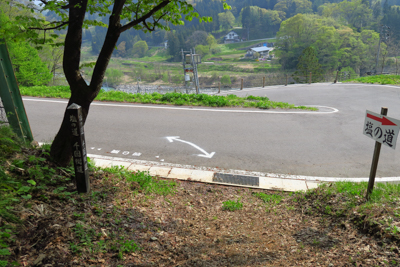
(205, 153)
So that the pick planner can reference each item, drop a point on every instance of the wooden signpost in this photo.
(79, 148)
(383, 130)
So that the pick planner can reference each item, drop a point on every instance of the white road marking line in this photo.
(205, 153)
(334, 110)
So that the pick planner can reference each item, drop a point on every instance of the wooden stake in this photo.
(263, 82)
(337, 76)
(310, 78)
(219, 87)
(375, 159)
(79, 148)
(287, 79)
(241, 86)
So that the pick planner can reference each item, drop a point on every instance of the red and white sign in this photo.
(381, 128)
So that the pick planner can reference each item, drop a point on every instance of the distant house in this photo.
(231, 37)
(263, 51)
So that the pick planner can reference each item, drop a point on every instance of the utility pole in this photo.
(195, 74)
(194, 60)
(184, 71)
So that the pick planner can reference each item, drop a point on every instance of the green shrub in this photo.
(114, 77)
(226, 80)
(347, 73)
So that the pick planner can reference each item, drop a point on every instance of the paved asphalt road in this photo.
(327, 143)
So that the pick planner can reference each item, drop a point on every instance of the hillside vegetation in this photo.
(131, 218)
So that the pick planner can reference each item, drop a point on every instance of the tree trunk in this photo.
(81, 93)
(61, 150)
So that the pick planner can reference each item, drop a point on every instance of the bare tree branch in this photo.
(51, 28)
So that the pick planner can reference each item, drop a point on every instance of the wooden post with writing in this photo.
(309, 81)
(241, 85)
(263, 81)
(78, 148)
(219, 87)
(375, 159)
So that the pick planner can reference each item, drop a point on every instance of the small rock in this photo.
(34, 144)
(70, 224)
(153, 238)
(39, 260)
(157, 220)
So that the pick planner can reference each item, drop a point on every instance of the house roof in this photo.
(231, 32)
(261, 49)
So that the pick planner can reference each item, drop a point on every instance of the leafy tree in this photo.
(121, 49)
(335, 45)
(122, 15)
(174, 47)
(28, 66)
(293, 7)
(308, 62)
(114, 77)
(139, 49)
(226, 80)
(347, 73)
(29, 69)
(211, 40)
(377, 9)
(52, 55)
(355, 12)
(197, 38)
(226, 20)
(202, 50)
(260, 22)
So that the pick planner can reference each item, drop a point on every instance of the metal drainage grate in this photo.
(236, 179)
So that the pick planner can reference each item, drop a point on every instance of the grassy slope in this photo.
(166, 99)
(378, 79)
(135, 219)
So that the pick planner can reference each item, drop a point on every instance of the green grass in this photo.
(382, 193)
(269, 198)
(29, 175)
(347, 199)
(231, 205)
(377, 79)
(178, 99)
(143, 181)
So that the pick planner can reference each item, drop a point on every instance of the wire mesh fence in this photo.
(3, 117)
(213, 85)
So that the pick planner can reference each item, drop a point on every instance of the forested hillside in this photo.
(344, 34)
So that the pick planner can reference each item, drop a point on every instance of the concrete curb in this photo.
(240, 178)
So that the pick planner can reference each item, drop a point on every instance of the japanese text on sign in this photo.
(381, 128)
